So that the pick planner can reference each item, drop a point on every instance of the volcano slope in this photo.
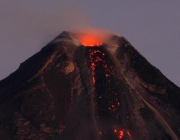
(69, 91)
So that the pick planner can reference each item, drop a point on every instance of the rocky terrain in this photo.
(69, 91)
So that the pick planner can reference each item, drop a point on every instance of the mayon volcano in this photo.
(87, 87)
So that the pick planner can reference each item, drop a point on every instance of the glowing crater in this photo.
(91, 39)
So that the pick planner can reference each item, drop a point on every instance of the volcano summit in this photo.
(87, 87)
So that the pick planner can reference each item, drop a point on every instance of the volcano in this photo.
(80, 87)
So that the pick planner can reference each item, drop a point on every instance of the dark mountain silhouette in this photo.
(69, 91)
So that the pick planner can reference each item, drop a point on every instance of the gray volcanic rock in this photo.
(69, 91)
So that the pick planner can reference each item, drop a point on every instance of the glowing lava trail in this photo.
(106, 99)
(103, 79)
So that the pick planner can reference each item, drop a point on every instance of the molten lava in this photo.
(121, 133)
(107, 104)
(90, 39)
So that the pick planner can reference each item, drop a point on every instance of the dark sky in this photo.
(152, 27)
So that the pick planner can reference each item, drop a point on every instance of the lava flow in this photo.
(106, 98)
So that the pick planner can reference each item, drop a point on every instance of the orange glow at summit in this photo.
(92, 36)
(90, 39)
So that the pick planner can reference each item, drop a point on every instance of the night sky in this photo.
(152, 27)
